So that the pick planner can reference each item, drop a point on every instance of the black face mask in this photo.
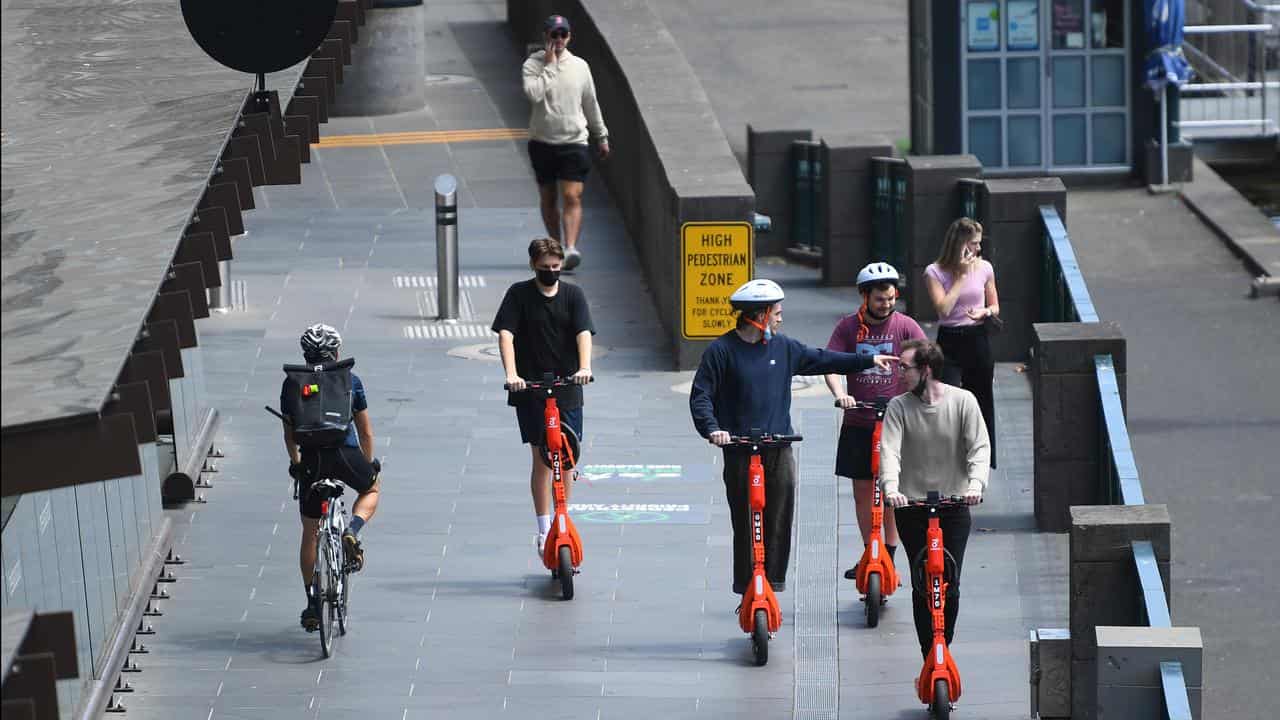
(918, 390)
(547, 278)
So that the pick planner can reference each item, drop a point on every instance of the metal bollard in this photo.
(220, 297)
(447, 247)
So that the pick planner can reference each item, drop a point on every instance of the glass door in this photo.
(1044, 84)
(1088, 84)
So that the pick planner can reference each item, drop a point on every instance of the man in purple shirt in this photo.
(874, 330)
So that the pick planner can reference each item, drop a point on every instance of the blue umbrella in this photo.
(1165, 64)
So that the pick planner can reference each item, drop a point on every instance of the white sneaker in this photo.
(539, 542)
(572, 258)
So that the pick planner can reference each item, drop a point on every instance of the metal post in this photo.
(447, 247)
(1164, 138)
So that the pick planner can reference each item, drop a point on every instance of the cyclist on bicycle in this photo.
(934, 438)
(352, 463)
(743, 383)
(544, 326)
(875, 328)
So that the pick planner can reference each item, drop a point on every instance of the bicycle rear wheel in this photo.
(344, 599)
(324, 583)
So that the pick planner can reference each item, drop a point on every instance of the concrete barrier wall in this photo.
(671, 161)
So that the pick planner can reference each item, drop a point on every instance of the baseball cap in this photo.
(556, 22)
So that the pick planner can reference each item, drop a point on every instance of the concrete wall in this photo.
(847, 205)
(1070, 455)
(769, 174)
(671, 161)
(1013, 241)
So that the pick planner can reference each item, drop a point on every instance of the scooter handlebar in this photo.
(860, 405)
(765, 440)
(940, 502)
(545, 384)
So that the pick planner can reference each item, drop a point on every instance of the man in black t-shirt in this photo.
(544, 326)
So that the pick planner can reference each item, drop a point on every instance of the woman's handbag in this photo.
(995, 325)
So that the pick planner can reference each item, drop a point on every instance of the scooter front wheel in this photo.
(873, 600)
(941, 700)
(760, 637)
(565, 572)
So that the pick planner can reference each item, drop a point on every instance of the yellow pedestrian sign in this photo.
(716, 258)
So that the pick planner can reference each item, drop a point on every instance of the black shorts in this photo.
(530, 416)
(559, 162)
(853, 452)
(347, 464)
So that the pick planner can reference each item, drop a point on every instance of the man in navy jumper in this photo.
(743, 383)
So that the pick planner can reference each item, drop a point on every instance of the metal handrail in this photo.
(1176, 706)
(1072, 300)
(1065, 284)
(1224, 29)
(1191, 88)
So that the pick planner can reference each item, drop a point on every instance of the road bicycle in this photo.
(759, 615)
(938, 684)
(876, 576)
(562, 550)
(331, 580)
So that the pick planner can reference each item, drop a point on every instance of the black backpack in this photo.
(317, 400)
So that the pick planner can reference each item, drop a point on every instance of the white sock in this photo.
(544, 524)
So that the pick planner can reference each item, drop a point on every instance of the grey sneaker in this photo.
(572, 258)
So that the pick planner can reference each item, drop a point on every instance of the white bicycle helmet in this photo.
(877, 272)
(756, 295)
(320, 343)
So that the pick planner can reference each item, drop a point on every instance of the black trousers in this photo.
(970, 366)
(913, 525)
(779, 510)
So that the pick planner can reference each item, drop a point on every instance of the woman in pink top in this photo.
(962, 287)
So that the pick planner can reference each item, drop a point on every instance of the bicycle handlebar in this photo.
(546, 384)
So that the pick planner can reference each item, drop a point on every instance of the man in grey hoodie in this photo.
(559, 86)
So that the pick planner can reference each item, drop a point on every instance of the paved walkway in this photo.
(453, 615)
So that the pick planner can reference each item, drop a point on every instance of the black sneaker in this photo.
(851, 573)
(311, 617)
(352, 550)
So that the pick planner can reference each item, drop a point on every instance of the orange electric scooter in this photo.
(877, 578)
(939, 682)
(562, 551)
(759, 615)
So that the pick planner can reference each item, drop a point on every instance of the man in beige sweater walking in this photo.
(565, 116)
(934, 438)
